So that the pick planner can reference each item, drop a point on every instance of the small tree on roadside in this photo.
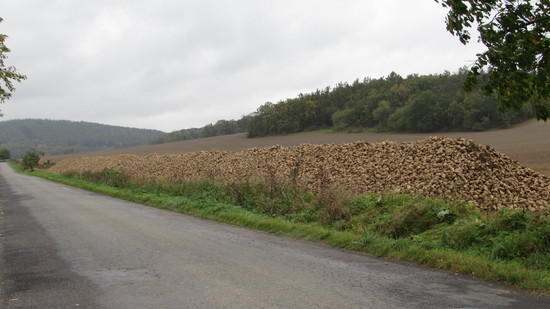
(4, 154)
(31, 159)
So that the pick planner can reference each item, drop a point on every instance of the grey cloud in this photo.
(176, 64)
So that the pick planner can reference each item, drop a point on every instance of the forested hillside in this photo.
(62, 136)
(414, 104)
(429, 103)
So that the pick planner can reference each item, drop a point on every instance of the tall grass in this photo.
(506, 246)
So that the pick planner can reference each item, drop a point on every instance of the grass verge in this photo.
(509, 247)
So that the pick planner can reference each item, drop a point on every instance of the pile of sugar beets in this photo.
(435, 167)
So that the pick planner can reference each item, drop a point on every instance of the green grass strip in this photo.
(460, 262)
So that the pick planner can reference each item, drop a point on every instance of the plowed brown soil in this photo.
(528, 143)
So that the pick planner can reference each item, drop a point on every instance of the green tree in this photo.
(344, 118)
(516, 34)
(31, 159)
(225, 127)
(4, 154)
(8, 74)
(208, 130)
(381, 113)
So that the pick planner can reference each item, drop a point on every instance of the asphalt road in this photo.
(62, 247)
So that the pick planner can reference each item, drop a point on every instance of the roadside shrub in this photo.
(505, 235)
(31, 158)
(108, 176)
(513, 245)
(530, 244)
(539, 261)
(405, 216)
(115, 178)
(333, 205)
(272, 198)
(507, 220)
(4, 154)
(465, 234)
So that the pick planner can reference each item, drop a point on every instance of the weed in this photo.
(508, 246)
(465, 234)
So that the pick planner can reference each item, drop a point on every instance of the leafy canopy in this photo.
(8, 74)
(4, 154)
(516, 34)
(31, 159)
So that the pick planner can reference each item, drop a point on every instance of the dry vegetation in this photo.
(434, 167)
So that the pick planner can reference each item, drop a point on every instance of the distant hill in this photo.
(61, 136)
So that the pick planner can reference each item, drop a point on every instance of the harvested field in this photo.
(528, 143)
(436, 167)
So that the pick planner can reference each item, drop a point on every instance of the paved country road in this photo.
(62, 247)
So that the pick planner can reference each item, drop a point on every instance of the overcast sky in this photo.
(175, 64)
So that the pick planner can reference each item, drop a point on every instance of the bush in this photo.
(111, 177)
(505, 235)
(4, 154)
(400, 216)
(507, 220)
(465, 234)
(31, 159)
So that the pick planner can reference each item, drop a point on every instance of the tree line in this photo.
(416, 103)
(221, 127)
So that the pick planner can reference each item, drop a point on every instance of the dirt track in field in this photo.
(528, 143)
